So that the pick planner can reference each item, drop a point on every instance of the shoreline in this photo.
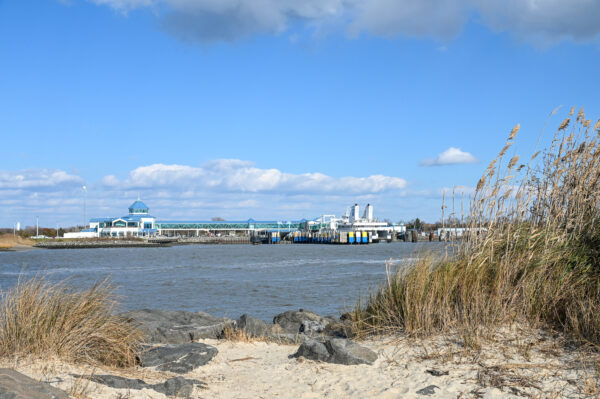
(517, 362)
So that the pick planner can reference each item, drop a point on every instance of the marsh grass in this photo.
(537, 264)
(54, 321)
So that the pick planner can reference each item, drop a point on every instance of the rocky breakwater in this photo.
(78, 244)
(175, 331)
(322, 338)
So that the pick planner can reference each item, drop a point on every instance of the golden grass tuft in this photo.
(52, 320)
(538, 263)
(231, 333)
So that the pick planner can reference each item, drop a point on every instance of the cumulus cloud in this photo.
(230, 188)
(233, 175)
(40, 179)
(451, 156)
(390, 18)
(541, 21)
(205, 21)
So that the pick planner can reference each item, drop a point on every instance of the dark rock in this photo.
(117, 382)
(436, 373)
(428, 390)
(275, 334)
(178, 358)
(14, 385)
(252, 326)
(176, 386)
(339, 330)
(344, 351)
(305, 321)
(313, 350)
(175, 326)
(336, 350)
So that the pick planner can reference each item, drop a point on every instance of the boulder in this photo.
(14, 385)
(178, 358)
(302, 321)
(175, 326)
(176, 386)
(313, 350)
(336, 350)
(344, 351)
(252, 326)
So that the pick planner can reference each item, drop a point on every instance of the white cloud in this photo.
(451, 156)
(230, 188)
(40, 179)
(543, 21)
(538, 21)
(233, 175)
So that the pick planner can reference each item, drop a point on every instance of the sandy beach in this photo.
(512, 366)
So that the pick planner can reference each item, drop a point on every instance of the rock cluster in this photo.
(322, 338)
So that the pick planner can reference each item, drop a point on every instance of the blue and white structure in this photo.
(138, 223)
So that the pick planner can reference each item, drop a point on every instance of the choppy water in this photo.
(223, 280)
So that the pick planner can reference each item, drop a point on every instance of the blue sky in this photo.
(276, 108)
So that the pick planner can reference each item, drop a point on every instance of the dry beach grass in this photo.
(52, 320)
(538, 264)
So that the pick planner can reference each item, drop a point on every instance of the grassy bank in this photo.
(537, 264)
(8, 241)
(41, 319)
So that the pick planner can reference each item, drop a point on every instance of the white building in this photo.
(138, 223)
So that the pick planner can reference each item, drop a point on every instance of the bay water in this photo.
(223, 280)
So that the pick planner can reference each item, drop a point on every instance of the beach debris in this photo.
(176, 326)
(336, 350)
(14, 385)
(428, 390)
(436, 373)
(176, 386)
(179, 359)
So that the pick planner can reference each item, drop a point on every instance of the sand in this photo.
(512, 366)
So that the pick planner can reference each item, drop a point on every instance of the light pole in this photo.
(37, 226)
(84, 200)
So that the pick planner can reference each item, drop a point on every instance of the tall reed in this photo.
(538, 261)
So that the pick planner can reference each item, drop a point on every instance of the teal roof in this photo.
(138, 206)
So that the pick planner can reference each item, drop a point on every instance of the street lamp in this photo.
(84, 200)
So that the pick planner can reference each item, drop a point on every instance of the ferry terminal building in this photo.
(139, 223)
